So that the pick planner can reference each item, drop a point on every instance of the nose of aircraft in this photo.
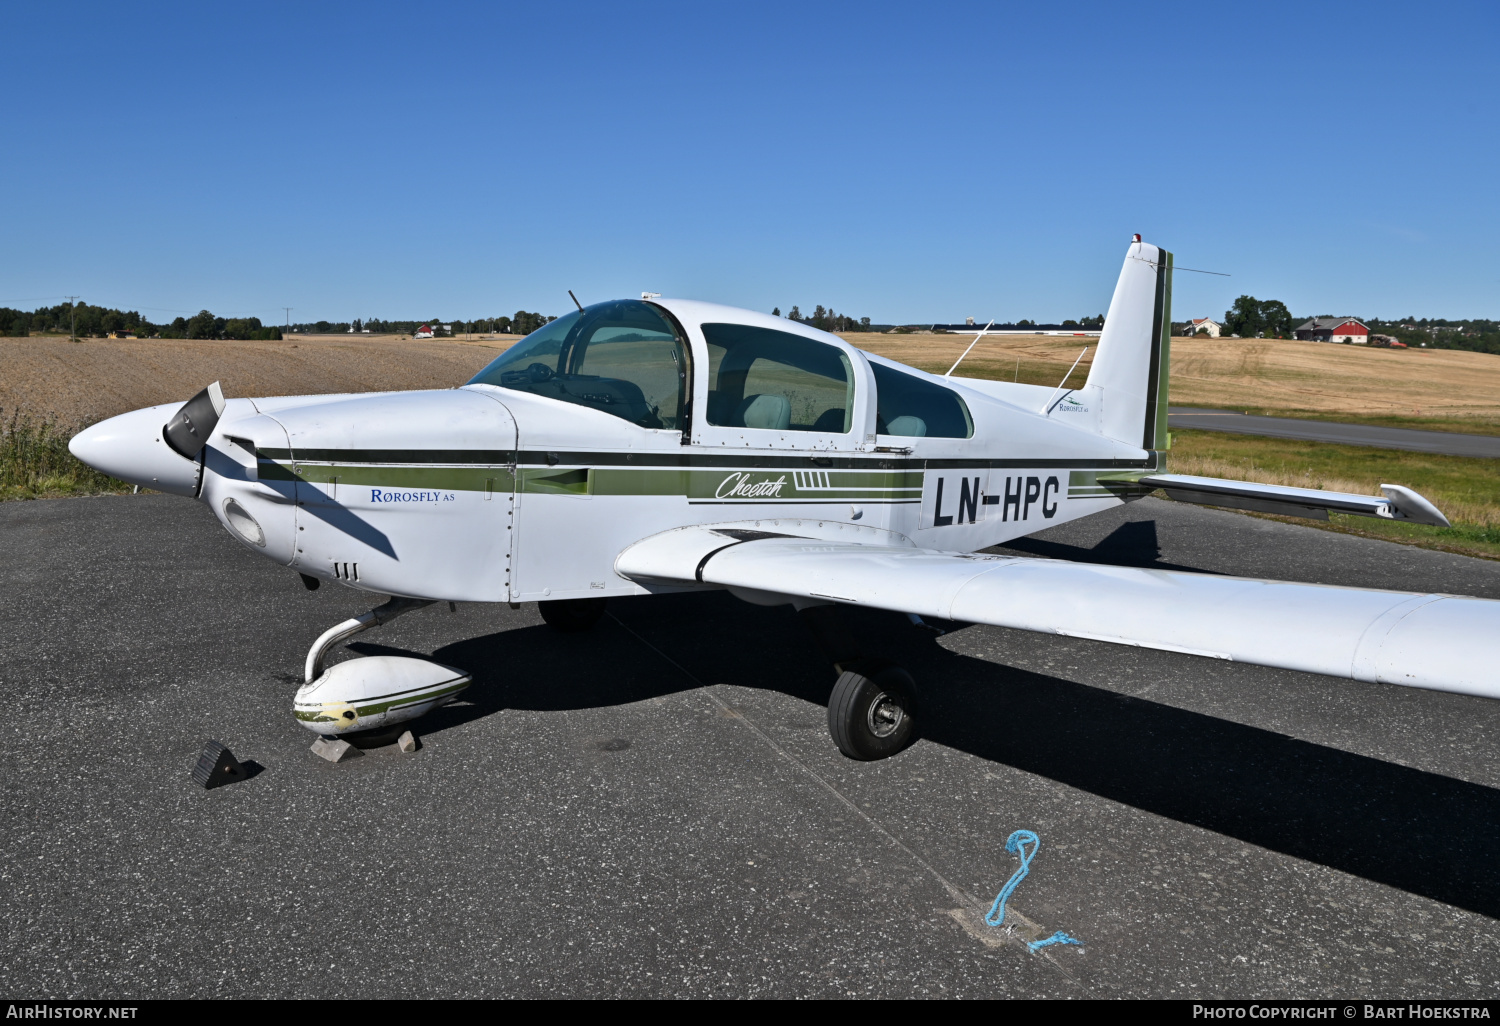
(130, 447)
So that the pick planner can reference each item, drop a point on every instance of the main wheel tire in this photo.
(572, 615)
(872, 711)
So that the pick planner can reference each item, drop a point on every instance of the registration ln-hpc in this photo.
(638, 447)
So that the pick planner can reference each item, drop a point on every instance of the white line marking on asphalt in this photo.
(965, 916)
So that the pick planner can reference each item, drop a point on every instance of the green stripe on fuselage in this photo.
(732, 485)
(696, 484)
(1099, 484)
(462, 479)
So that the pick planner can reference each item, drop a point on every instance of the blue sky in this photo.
(908, 162)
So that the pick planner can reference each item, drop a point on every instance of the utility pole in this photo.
(72, 319)
(288, 319)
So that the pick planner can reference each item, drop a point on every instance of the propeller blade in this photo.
(188, 430)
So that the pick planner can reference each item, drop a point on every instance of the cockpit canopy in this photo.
(630, 359)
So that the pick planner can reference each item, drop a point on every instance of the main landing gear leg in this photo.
(872, 711)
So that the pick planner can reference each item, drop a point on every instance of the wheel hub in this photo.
(885, 715)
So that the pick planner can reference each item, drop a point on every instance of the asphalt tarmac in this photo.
(1445, 442)
(655, 808)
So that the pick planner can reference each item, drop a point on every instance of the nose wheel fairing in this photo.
(372, 692)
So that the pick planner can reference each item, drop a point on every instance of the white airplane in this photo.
(639, 447)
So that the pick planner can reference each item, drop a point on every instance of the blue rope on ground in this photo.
(1057, 938)
(1016, 844)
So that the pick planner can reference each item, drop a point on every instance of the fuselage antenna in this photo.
(1064, 381)
(575, 300)
(972, 344)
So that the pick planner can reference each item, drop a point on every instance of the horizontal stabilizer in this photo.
(1438, 642)
(1398, 503)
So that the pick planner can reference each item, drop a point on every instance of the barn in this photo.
(1334, 329)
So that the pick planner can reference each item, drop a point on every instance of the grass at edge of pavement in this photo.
(35, 464)
(1466, 489)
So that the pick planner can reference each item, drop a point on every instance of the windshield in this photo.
(623, 358)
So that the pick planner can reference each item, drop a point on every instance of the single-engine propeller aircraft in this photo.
(638, 447)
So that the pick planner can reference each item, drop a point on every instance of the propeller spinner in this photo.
(139, 449)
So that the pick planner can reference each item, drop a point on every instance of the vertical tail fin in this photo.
(1130, 370)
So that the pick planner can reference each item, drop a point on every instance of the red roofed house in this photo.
(1334, 329)
(423, 332)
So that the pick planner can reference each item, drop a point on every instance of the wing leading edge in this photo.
(1437, 642)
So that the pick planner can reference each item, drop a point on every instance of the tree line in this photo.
(523, 323)
(826, 319)
(88, 321)
(1479, 335)
(1248, 318)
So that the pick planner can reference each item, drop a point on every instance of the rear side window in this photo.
(912, 407)
(776, 381)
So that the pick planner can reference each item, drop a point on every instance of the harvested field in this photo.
(48, 386)
(48, 378)
(1267, 376)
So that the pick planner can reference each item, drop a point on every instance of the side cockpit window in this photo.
(911, 407)
(623, 358)
(777, 381)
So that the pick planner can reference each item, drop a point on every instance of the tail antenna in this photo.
(972, 344)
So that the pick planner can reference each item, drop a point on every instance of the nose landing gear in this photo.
(371, 693)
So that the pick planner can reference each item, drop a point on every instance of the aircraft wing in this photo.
(1438, 642)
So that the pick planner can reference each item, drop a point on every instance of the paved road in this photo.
(656, 809)
(1446, 442)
